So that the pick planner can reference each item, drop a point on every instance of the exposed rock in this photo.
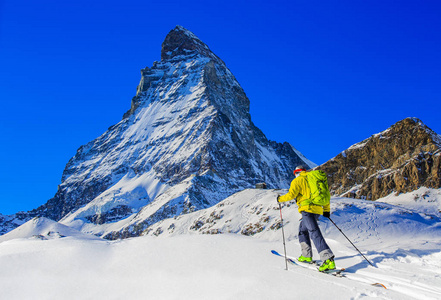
(400, 159)
(181, 42)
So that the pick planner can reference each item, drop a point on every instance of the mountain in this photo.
(401, 159)
(186, 143)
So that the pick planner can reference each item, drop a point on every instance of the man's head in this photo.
(298, 170)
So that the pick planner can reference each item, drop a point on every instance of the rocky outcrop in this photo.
(182, 42)
(398, 160)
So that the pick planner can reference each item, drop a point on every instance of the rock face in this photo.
(398, 160)
(186, 143)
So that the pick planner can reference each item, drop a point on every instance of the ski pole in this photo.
(283, 235)
(351, 242)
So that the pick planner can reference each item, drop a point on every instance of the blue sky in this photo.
(321, 75)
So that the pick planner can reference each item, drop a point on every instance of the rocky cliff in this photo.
(398, 160)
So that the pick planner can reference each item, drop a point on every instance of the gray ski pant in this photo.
(308, 230)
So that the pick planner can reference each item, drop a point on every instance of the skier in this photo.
(309, 228)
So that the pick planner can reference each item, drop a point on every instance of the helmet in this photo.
(298, 169)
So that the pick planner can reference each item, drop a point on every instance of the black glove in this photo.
(278, 196)
(327, 214)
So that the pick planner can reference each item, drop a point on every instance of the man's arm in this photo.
(292, 193)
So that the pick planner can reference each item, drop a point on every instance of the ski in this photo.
(314, 266)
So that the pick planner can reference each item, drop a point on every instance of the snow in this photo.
(401, 239)
(44, 229)
(424, 199)
(133, 191)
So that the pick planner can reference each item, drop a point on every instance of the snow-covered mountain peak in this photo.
(186, 143)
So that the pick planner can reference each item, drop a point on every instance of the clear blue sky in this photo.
(321, 75)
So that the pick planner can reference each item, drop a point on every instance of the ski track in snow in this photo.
(47, 260)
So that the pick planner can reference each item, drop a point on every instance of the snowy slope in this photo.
(255, 213)
(178, 260)
(423, 199)
(44, 229)
(185, 267)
